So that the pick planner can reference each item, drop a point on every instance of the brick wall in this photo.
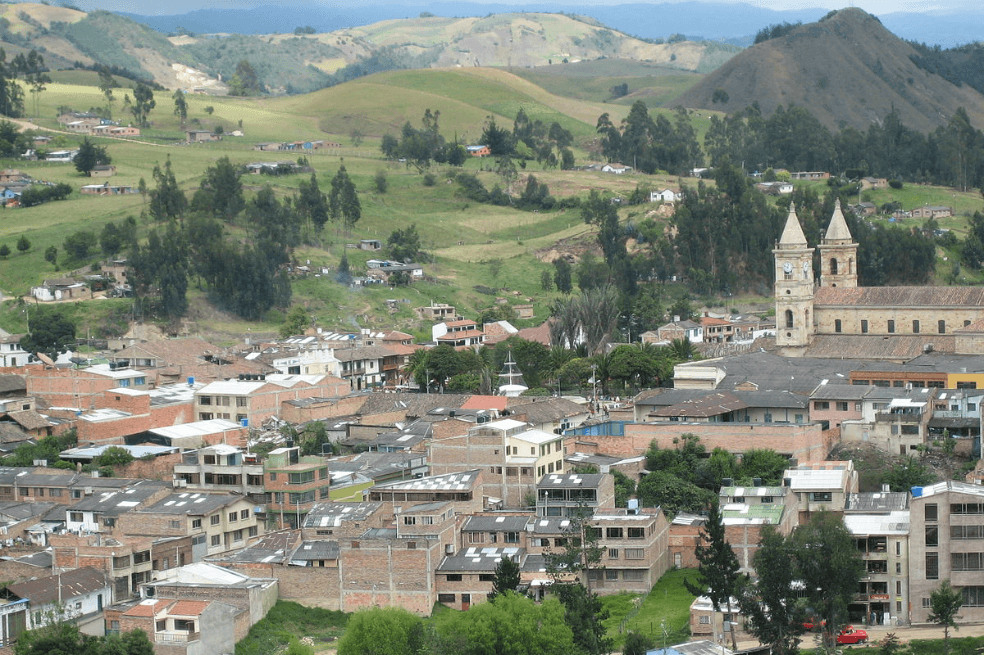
(159, 468)
(805, 442)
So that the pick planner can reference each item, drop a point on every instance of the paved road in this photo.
(904, 633)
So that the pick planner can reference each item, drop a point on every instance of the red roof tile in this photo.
(188, 607)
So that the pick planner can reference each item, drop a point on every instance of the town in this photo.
(206, 483)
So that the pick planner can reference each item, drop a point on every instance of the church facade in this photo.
(835, 317)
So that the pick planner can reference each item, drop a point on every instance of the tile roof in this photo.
(188, 607)
(146, 608)
(901, 347)
(970, 296)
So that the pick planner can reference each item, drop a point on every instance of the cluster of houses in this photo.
(317, 144)
(304, 469)
(94, 125)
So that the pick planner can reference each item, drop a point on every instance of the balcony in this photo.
(176, 637)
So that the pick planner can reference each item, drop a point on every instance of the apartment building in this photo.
(222, 468)
(947, 543)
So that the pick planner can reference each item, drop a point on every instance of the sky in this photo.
(877, 7)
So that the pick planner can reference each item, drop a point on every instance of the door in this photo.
(465, 602)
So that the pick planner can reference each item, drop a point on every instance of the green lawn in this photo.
(663, 614)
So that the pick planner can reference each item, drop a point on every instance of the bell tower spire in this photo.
(838, 253)
(794, 285)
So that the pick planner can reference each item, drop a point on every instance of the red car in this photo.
(852, 635)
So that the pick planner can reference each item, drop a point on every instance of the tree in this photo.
(944, 603)
(245, 81)
(380, 181)
(4, 251)
(717, 572)
(775, 617)
(404, 245)
(180, 106)
(312, 203)
(209, 110)
(167, 201)
(382, 631)
(52, 332)
(143, 102)
(23, 244)
(581, 550)
(343, 199)
(357, 137)
(507, 577)
(637, 643)
(296, 322)
(498, 139)
(510, 624)
(585, 616)
(672, 494)
(221, 192)
(51, 255)
(829, 565)
(89, 156)
(562, 275)
(79, 244)
(106, 84)
(114, 456)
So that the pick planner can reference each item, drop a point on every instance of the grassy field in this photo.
(460, 237)
(663, 614)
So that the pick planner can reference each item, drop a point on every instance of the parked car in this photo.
(852, 635)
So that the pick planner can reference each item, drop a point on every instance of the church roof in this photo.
(894, 347)
(792, 234)
(838, 230)
(900, 296)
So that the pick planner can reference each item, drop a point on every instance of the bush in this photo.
(895, 184)
(429, 179)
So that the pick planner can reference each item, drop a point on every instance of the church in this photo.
(837, 318)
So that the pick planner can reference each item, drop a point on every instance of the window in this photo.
(637, 533)
(635, 553)
(216, 540)
(864, 326)
(512, 537)
(611, 574)
(833, 266)
(789, 318)
(967, 508)
(972, 596)
(175, 524)
(821, 404)
(476, 537)
(891, 326)
(932, 535)
(915, 327)
(75, 517)
(242, 401)
(237, 535)
(941, 327)
(184, 625)
(205, 416)
(705, 620)
(632, 574)
(966, 532)
(898, 587)
(932, 566)
(613, 553)
(926, 603)
(445, 598)
(454, 577)
(215, 519)
(930, 512)
(409, 520)
(486, 577)
(966, 562)
(821, 496)
(842, 406)
(613, 533)
(54, 493)
(244, 514)
(205, 400)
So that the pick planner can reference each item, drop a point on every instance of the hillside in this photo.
(847, 69)
(300, 63)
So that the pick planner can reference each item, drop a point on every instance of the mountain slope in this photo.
(847, 69)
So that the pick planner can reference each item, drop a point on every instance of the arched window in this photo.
(833, 266)
(850, 266)
(789, 318)
(837, 325)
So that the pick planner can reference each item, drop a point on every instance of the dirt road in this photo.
(903, 632)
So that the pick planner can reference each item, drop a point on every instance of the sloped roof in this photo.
(51, 589)
(837, 231)
(792, 233)
(898, 347)
(900, 297)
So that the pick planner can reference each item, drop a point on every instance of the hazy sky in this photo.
(878, 7)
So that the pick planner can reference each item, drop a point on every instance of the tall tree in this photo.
(507, 577)
(106, 84)
(245, 81)
(343, 199)
(89, 156)
(167, 201)
(180, 106)
(775, 618)
(944, 603)
(221, 192)
(143, 103)
(717, 572)
(511, 624)
(312, 203)
(382, 631)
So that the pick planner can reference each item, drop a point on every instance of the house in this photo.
(438, 312)
(103, 170)
(199, 136)
(932, 211)
(459, 334)
(810, 175)
(775, 188)
(370, 244)
(11, 354)
(178, 627)
(106, 190)
(60, 289)
(666, 195)
(69, 596)
(717, 330)
(478, 151)
(615, 168)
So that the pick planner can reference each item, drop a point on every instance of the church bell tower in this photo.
(838, 253)
(794, 285)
